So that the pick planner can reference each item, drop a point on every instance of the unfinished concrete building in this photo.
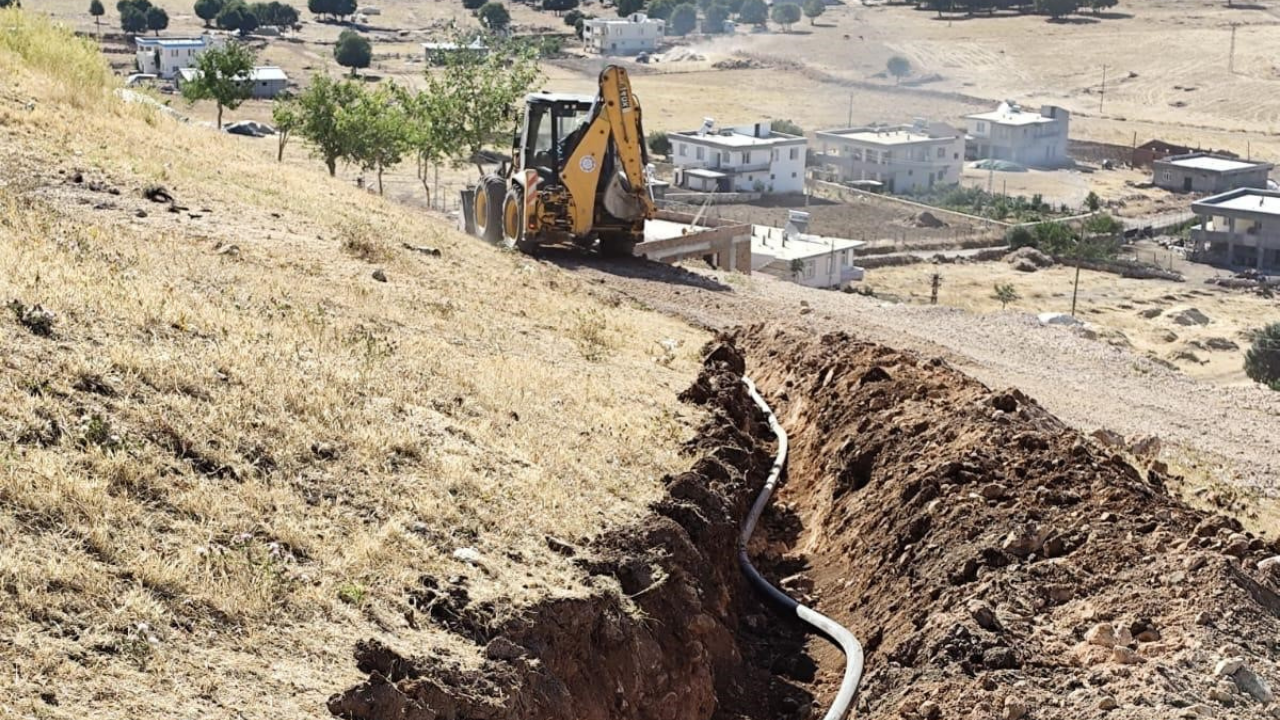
(900, 158)
(1205, 173)
(1238, 228)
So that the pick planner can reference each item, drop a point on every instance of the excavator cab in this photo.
(579, 173)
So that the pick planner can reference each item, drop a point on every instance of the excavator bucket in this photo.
(620, 199)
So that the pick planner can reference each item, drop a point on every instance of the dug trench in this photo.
(994, 563)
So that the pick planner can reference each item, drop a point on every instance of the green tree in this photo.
(627, 7)
(222, 75)
(1019, 236)
(344, 8)
(274, 13)
(494, 16)
(659, 143)
(559, 6)
(353, 51)
(1005, 293)
(473, 4)
(717, 15)
(133, 16)
(754, 12)
(157, 19)
(899, 67)
(286, 116)
(378, 130)
(814, 8)
(684, 18)
(1103, 224)
(786, 126)
(1092, 201)
(1102, 5)
(207, 10)
(579, 24)
(661, 9)
(320, 118)
(236, 16)
(1056, 9)
(785, 14)
(1262, 359)
(572, 17)
(97, 11)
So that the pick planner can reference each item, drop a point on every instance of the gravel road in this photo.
(1087, 383)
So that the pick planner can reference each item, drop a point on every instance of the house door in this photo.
(1186, 184)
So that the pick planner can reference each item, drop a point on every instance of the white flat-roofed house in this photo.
(792, 253)
(267, 81)
(164, 56)
(631, 35)
(1206, 173)
(1238, 228)
(1035, 139)
(901, 158)
(749, 158)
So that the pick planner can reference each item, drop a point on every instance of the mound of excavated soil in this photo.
(997, 564)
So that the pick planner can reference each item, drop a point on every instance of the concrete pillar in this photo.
(1231, 252)
(1262, 253)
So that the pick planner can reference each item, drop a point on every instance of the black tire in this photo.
(488, 211)
(513, 223)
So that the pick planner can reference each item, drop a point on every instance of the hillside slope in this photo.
(229, 452)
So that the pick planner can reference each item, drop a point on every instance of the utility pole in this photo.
(849, 122)
(935, 282)
(1102, 95)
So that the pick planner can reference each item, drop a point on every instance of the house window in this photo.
(793, 174)
(982, 127)
(746, 157)
(942, 152)
(699, 155)
(772, 176)
(682, 150)
(795, 153)
(809, 268)
(1168, 176)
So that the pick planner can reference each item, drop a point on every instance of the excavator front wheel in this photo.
(488, 209)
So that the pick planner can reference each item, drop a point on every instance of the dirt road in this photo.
(1228, 434)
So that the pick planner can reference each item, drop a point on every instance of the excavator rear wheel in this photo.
(514, 230)
(488, 209)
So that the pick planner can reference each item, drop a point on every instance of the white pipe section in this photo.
(832, 629)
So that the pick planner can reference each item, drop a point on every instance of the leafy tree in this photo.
(684, 18)
(320, 111)
(1102, 4)
(353, 50)
(659, 143)
(627, 7)
(1103, 224)
(785, 14)
(786, 126)
(494, 16)
(379, 130)
(10, 3)
(236, 15)
(207, 10)
(734, 5)
(899, 67)
(343, 8)
(1056, 9)
(274, 13)
(1005, 293)
(1019, 236)
(157, 19)
(661, 9)
(717, 15)
(97, 11)
(579, 24)
(1092, 201)
(572, 17)
(133, 20)
(1262, 359)
(814, 8)
(287, 116)
(559, 6)
(473, 4)
(222, 75)
(333, 9)
(754, 12)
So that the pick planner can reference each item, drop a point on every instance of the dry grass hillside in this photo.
(231, 452)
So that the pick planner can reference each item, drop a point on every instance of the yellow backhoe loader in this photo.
(579, 173)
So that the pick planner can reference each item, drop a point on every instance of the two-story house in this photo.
(749, 158)
(164, 57)
(901, 158)
(1036, 139)
(1238, 228)
(632, 35)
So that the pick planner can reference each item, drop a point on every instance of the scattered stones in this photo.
(1125, 655)
(1237, 545)
(1221, 344)
(1109, 438)
(1147, 446)
(468, 555)
(1228, 666)
(380, 275)
(1189, 317)
(1025, 266)
(1269, 563)
(984, 615)
(424, 249)
(34, 318)
(1106, 702)
(157, 193)
(994, 491)
(1150, 313)
(1000, 658)
(1014, 708)
(1030, 255)
(929, 710)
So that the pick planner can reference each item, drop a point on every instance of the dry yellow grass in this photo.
(237, 453)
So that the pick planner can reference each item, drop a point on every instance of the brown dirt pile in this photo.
(997, 564)
(673, 633)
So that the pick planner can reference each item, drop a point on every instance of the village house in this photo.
(1035, 139)
(900, 158)
(1238, 228)
(632, 35)
(749, 158)
(1205, 173)
(164, 57)
(792, 253)
(436, 53)
(266, 82)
